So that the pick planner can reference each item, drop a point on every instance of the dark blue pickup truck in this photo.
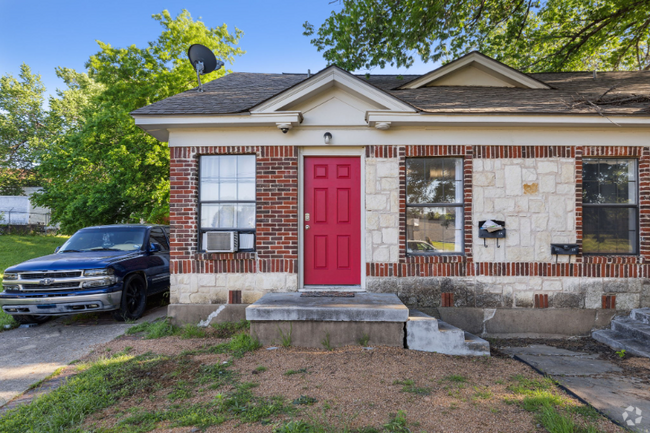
(106, 268)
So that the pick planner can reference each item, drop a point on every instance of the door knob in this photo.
(307, 227)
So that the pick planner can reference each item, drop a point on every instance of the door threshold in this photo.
(330, 288)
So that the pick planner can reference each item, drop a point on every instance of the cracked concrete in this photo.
(594, 380)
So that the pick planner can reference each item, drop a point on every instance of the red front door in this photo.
(332, 220)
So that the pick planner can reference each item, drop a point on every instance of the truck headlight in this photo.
(101, 282)
(10, 276)
(97, 272)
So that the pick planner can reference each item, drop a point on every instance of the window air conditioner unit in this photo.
(220, 242)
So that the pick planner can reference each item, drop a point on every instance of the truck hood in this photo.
(70, 261)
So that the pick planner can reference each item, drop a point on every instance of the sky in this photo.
(47, 34)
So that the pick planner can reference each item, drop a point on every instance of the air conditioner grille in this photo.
(220, 241)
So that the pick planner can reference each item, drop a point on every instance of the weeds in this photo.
(408, 385)
(326, 342)
(292, 372)
(364, 340)
(455, 378)
(228, 329)
(286, 338)
(238, 346)
(192, 331)
(305, 400)
(154, 330)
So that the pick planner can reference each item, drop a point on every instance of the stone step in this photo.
(619, 341)
(641, 315)
(632, 328)
(428, 334)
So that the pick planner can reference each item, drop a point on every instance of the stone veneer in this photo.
(382, 210)
(535, 198)
(213, 288)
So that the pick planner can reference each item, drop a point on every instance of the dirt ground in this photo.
(352, 386)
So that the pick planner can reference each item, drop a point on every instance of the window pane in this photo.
(209, 178)
(246, 189)
(434, 180)
(246, 216)
(609, 230)
(218, 216)
(246, 167)
(609, 181)
(227, 190)
(434, 229)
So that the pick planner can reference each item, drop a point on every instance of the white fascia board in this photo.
(330, 77)
(373, 117)
(487, 63)
(159, 125)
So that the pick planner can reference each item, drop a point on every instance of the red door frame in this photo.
(332, 199)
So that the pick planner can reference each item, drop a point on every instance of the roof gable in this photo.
(476, 70)
(328, 78)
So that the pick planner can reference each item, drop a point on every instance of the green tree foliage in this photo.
(530, 35)
(102, 168)
(23, 128)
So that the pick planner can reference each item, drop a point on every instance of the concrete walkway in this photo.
(596, 381)
(28, 355)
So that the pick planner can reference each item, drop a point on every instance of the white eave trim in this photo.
(488, 63)
(425, 119)
(159, 125)
(329, 77)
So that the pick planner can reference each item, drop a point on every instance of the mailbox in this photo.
(498, 234)
(565, 249)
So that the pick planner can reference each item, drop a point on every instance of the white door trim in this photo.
(329, 151)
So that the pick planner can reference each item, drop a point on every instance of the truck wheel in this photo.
(134, 299)
(25, 318)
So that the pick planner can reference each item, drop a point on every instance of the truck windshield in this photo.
(105, 239)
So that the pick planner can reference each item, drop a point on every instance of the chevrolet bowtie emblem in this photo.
(46, 281)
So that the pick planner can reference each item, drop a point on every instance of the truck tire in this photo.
(134, 299)
(25, 318)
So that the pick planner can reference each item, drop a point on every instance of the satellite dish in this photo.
(203, 61)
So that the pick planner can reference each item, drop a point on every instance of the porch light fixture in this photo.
(327, 137)
(382, 125)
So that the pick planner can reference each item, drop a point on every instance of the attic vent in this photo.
(220, 242)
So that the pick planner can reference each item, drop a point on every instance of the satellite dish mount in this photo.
(203, 61)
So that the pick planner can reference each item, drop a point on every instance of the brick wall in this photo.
(277, 212)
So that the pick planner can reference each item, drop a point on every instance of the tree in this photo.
(23, 130)
(103, 168)
(530, 35)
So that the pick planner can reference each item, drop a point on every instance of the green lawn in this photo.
(15, 249)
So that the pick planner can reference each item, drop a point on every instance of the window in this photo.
(609, 206)
(158, 236)
(227, 196)
(434, 205)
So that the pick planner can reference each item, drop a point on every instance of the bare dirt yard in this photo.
(181, 384)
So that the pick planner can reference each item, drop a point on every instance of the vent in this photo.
(220, 242)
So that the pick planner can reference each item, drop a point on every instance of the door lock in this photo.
(307, 227)
(306, 217)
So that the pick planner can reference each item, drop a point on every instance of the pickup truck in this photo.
(105, 268)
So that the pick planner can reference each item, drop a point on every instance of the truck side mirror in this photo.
(154, 247)
(56, 250)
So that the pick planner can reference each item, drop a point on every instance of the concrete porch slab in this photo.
(363, 307)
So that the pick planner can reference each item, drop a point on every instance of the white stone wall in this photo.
(382, 210)
(535, 198)
(213, 288)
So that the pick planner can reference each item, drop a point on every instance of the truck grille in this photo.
(40, 287)
(39, 275)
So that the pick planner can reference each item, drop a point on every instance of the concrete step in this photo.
(632, 329)
(620, 341)
(428, 334)
(641, 315)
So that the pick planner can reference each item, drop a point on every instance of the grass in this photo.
(154, 330)
(286, 338)
(397, 423)
(104, 383)
(408, 385)
(364, 340)
(553, 411)
(299, 371)
(326, 342)
(228, 329)
(15, 249)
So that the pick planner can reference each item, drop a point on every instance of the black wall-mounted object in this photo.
(564, 250)
(499, 234)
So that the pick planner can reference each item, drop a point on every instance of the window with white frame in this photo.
(610, 209)
(434, 205)
(227, 196)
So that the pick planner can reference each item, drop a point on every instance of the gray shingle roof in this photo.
(238, 92)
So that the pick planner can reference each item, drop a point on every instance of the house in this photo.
(383, 183)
